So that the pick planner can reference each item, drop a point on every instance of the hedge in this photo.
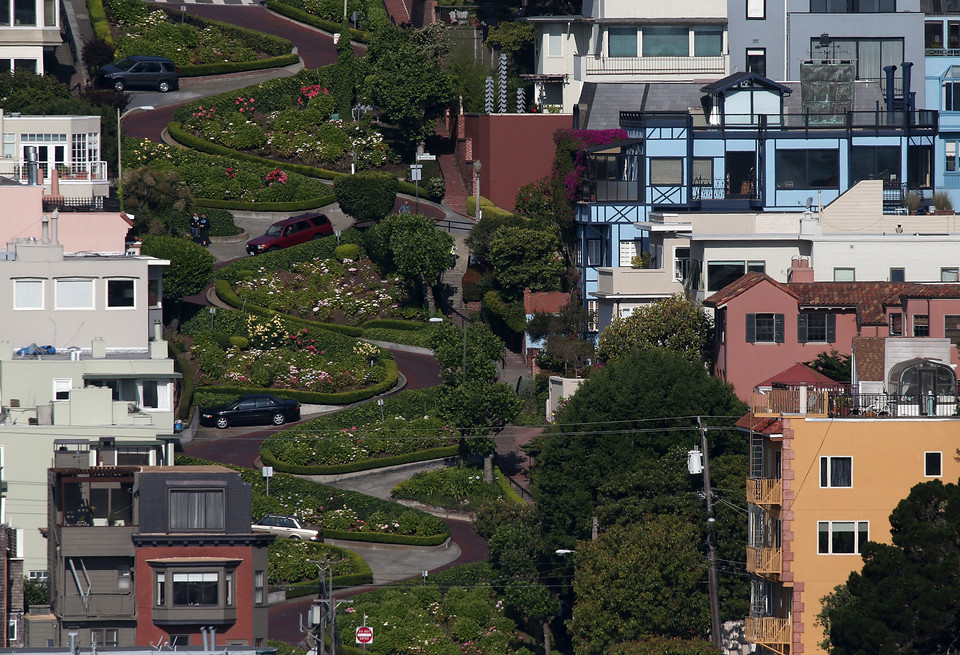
(509, 493)
(185, 138)
(387, 538)
(394, 324)
(291, 206)
(489, 209)
(268, 43)
(269, 459)
(226, 293)
(222, 68)
(316, 397)
(186, 396)
(363, 576)
(287, 257)
(303, 17)
(98, 20)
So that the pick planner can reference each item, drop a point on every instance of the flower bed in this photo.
(141, 29)
(216, 177)
(360, 436)
(289, 566)
(342, 514)
(459, 488)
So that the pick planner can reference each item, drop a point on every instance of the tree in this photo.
(366, 196)
(412, 245)
(155, 192)
(674, 323)
(482, 233)
(905, 599)
(834, 365)
(480, 409)
(524, 258)
(567, 350)
(637, 580)
(191, 265)
(482, 348)
(656, 645)
(35, 592)
(347, 76)
(406, 82)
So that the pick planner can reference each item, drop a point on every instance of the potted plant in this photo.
(911, 201)
(941, 203)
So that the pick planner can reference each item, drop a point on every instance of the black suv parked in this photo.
(140, 71)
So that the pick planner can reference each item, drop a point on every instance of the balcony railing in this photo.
(765, 491)
(841, 403)
(774, 402)
(95, 171)
(720, 189)
(654, 65)
(91, 204)
(771, 632)
(851, 121)
(118, 604)
(765, 561)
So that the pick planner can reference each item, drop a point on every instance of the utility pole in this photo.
(711, 531)
(325, 599)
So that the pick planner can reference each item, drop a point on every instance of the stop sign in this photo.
(364, 634)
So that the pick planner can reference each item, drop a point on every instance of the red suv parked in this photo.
(290, 232)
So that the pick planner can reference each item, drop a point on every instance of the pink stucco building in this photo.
(764, 327)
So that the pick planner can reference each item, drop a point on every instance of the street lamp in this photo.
(120, 117)
(564, 551)
(477, 212)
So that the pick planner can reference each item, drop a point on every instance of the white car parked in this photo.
(286, 526)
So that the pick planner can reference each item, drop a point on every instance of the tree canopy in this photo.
(905, 599)
(674, 323)
(413, 246)
(567, 349)
(191, 265)
(524, 257)
(483, 349)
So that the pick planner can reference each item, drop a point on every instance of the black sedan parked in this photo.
(254, 409)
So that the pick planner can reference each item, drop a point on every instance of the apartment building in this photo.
(28, 30)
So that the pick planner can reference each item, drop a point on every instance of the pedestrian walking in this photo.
(204, 229)
(405, 207)
(195, 227)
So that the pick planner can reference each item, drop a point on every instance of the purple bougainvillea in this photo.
(576, 142)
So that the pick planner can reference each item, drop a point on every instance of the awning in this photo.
(132, 376)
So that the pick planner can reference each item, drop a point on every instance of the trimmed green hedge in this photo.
(293, 206)
(226, 293)
(269, 459)
(185, 138)
(489, 209)
(303, 17)
(385, 538)
(509, 493)
(186, 397)
(98, 20)
(316, 397)
(394, 324)
(221, 68)
(363, 576)
(285, 258)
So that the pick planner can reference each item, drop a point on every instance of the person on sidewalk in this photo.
(405, 207)
(195, 227)
(204, 228)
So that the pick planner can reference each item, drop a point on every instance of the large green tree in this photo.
(524, 257)
(366, 196)
(479, 349)
(566, 349)
(636, 580)
(413, 246)
(674, 323)
(191, 265)
(480, 410)
(906, 597)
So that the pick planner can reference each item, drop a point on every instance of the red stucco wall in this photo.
(515, 149)
(147, 632)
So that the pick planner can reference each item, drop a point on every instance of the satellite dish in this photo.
(809, 203)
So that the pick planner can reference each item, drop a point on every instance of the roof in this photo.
(765, 425)
(545, 302)
(742, 284)
(799, 374)
(868, 354)
(741, 77)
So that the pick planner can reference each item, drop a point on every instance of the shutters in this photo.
(751, 328)
(831, 328)
(802, 327)
(778, 327)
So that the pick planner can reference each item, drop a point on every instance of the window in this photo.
(756, 9)
(196, 510)
(50, 13)
(161, 598)
(875, 163)
(703, 171)
(666, 171)
(622, 41)
(24, 12)
(258, 597)
(896, 325)
(844, 275)
(593, 324)
(104, 636)
(61, 388)
(842, 537)
(666, 41)
(594, 255)
(195, 588)
(950, 156)
(852, 6)
(933, 34)
(898, 275)
(720, 274)
(764, 328)
(555, 41)
(123, 576)
(951, 328)
(38, 575)
(74, 294)
(28, 294)
(920, 166)
(951, 274)
(817, 327)
(154, 395)
(921, 325)
(228, 587)
(707, 41)
(836, 472)
(932, 464)
(681, 264)
(120, 293)
(12, 626)
(757, 61)
(808, 169)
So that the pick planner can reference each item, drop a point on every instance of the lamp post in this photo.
(477, 212)
(120, 117)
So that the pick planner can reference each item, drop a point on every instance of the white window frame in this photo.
(949, 274)
(839, 274)
(828, 471)
(65, 303)
(62, 385)
(163, 395)
(12, 623)
(756, 9)
(939, 473)
(593, 322)
(857, 546)
(106, 294)
(17, 297)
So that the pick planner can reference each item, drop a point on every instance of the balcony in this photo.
(765, 491)
(841, 403)
(624, 281)
(771, 632)
(115, 605)
(194, 614)
(765, 561)
(666, 66)
(91, 171)
(802, 400)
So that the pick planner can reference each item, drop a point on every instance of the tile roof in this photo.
(800, 374)
(868, 353)
(765, 425)
(738, 286)
(546, 302)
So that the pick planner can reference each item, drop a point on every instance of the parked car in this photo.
(252, 409)
(290, 232)
(287, 526)
(140, 71)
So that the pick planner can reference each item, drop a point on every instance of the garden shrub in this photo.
(98, 20)
(183, 367)
(285, 259)
(489, 209)
(240, 342)
(395, 324)
(349, 251)
(458, 487)
(96, 52)
(366, 196)
(221, 221)
(508, 320)
(212, 358)
(298, 14)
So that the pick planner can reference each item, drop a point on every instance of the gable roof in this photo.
(799, 374)
(868, 356)
(740, 77)
(742, 284)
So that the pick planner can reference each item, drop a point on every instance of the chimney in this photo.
(30, 153)
(54, 225)
(800, 270)
(44, 229)
(907, 95)
(889, 71)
